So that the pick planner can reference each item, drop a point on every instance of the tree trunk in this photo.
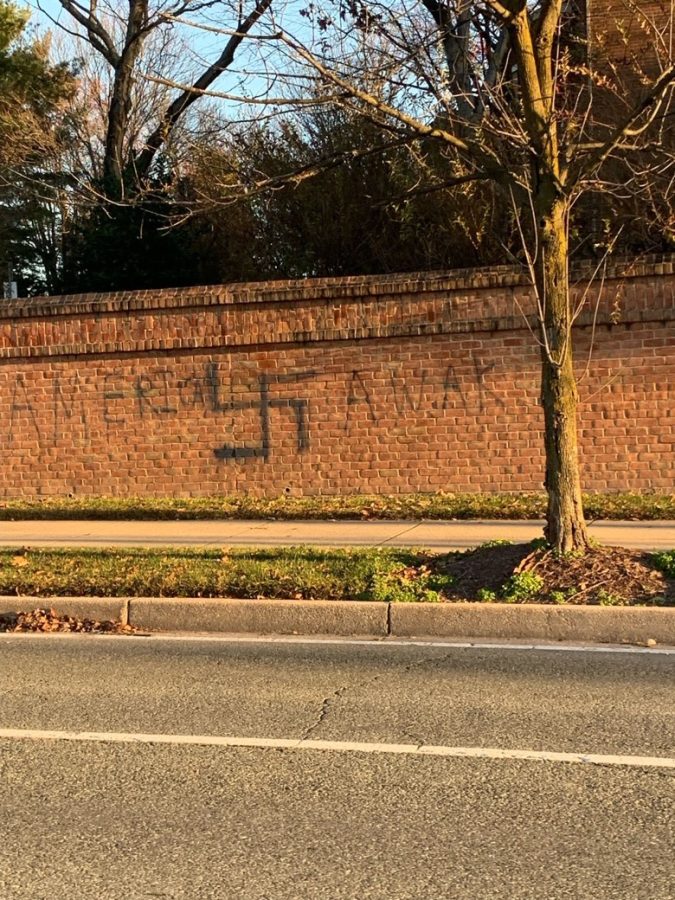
(565, 524)
(115, 159)
(118, 115)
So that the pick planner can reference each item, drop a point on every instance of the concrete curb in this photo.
(261, 616)
(597, 624)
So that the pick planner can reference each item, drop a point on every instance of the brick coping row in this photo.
(316, 289)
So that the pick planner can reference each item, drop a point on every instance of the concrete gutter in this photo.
(597, 624)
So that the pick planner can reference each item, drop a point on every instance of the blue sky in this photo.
(195, 47)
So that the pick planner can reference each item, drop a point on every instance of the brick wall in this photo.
(624, 35)
(629, 45)
(382, 384)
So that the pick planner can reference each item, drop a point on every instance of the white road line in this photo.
(397, 642)
(123, 640)
(206, 740)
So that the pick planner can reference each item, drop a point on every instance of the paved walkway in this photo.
(432, 535)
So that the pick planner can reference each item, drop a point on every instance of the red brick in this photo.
(132, 394)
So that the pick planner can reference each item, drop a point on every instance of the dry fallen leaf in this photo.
(49, 620)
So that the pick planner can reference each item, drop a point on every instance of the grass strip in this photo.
(287, 573)
(391, 574)
(442, 506)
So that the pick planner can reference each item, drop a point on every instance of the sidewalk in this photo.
(239, 533)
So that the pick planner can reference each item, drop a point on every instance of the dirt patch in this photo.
(519, 573)
(49, 620)
(485, 568)
(608, 575)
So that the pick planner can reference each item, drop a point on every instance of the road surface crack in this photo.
(326, 705)
(329, 702)
(415, 738)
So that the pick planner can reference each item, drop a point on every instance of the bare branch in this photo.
(99, 37)
(182, 103)
(649, 107)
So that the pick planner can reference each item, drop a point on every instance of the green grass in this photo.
(401, 506)
(289, 573)
(293, 573)
(665, 562)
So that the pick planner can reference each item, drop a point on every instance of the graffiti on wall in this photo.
(263, 403)
(52, 409)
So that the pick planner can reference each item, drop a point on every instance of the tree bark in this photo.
(565, 523)
(115, 161)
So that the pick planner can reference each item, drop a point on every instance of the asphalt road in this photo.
(116, 815)
(433, 535)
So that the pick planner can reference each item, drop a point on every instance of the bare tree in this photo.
(119, 33)
(510, 92)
